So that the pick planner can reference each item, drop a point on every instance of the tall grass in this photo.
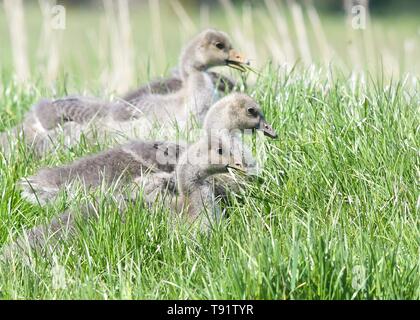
(284, 32)
(339, 194)
(16, 21)
(335, 215)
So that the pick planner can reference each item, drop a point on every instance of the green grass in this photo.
(339, 193)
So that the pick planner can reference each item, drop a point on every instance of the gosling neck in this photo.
(195, 192)
(189, 68)
(188, 63)
(200, 94)
(221, 120)
(190, 177)
(217, 119)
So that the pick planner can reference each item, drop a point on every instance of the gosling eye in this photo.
(220, 151)
(220, 45)
(252, 112)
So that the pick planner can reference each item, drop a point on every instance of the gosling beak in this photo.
(236, 167)
(267, 129)
(237, 61)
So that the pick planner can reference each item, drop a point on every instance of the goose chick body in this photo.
(173, 83)
(210, 48)
(119, 166)
(124, 121)
(230, 117)
(157, 158)
(193, 198)
(212, 155)
(189, 188)
(165, 114)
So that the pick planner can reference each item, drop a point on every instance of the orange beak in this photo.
(237, 61)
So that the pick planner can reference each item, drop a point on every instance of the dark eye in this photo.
(220, 45)
(220, 151)
(252, 111)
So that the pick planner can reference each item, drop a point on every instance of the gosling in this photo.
(233, 113)
(125, 121)
(194, 199)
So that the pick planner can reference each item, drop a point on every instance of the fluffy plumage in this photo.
(125, 120)
(133, 159)
(194, 196)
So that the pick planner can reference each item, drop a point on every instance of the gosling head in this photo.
(238, 111)
(208, 49)
(212, 154)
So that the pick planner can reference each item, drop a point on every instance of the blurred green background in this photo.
(339, 188)
(100, 48)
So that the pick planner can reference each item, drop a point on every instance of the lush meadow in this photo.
(335, 214)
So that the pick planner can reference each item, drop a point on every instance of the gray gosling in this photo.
(212, 155)
(173, 83)
(194, 193)
(194, 199)
(208, 49)
(235, 112)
